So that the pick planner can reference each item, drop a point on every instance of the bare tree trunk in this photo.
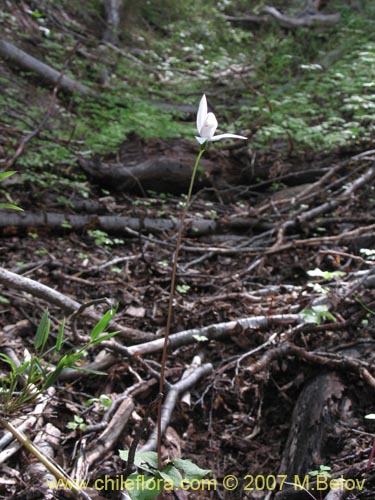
(112, 15)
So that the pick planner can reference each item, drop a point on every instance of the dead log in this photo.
(307, 20)
(51, 296)
(165, 165)
(10, 52)
(117, 224)
(322, 413)
(313, 420)
(309, 17)
(163, 175)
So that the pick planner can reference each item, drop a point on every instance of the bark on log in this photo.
(39, 290)
(322, 413)
(10, 52)
(304, 21)
(163, 175)
(309, 17)
(118, 224)
(312, 423)
(166, 166)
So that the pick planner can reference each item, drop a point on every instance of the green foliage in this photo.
(106, 123)
(39, 371)
(3, 176)
(77, 423)
(317, 314)
(318, 90)
(176, 473)
(302, 89)
(103, 400)
(183, 288)
(324, 470)
(103, 239)
(326, 275)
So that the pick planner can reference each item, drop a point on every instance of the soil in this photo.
(240, 419)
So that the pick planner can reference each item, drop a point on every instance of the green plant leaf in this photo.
(4, 175)
(190, 470)
(102, 324)
(54, 375)
(104, 337)
(141, 487)
(22, 368)
(171, 475)
(11, 206)
(60, 335)
(9, 361)
(145, 460)
(42, 332)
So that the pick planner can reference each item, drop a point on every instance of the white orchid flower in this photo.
(207, 125)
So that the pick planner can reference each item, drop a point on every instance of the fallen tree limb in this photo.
(171, 400)
(271, 14)
(10, 52)
(161, 174)
(165, 165)
(108, 438)
(48, 441)
(36, 289)
(183, 338)
(119, 224)
(329, 206)
(315, 19)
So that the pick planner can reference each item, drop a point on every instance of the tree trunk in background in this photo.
(112, 15)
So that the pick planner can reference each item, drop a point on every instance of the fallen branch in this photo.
(315, 19)
(304, 217)
(48, 442)
(119, 224)
(8, 445)
(105, 442)
(183, 338)
(36, 289)
(45, 119)
(171, 399)
(29, 63)
(306, 19)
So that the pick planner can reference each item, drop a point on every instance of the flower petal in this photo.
(224, 136)
(209, 126)
(201, 140)
(202, 113)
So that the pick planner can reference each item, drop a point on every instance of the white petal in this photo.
(209, 126)
(202, 113)
(225, 136)
(201, 140)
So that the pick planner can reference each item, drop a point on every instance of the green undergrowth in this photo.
(306, 89)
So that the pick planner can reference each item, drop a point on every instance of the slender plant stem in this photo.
(56, 471)
(170, 304)
(371, 458)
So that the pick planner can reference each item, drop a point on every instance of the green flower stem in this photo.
(171, 296)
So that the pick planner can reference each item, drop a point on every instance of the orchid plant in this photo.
(206, 125)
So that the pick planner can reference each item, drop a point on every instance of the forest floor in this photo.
(298, 289)
(275, 297)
